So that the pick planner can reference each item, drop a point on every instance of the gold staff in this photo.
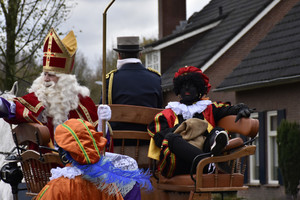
(104, 64)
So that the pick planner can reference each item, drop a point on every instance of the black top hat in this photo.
(128, 44)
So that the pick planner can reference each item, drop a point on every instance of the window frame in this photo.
(270, 135)
(152, 64)
(253, 159)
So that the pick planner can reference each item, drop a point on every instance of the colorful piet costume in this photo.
(174, 152)
(58, 59)
(88, 173)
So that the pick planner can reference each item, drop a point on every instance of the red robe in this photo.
(29, 107)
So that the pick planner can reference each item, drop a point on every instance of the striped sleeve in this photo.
(158, 124)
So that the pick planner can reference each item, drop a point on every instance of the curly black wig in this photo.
(194, 78)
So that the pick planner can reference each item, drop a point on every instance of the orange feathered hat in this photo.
(81, 140)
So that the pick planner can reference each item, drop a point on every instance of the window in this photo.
(272, 147)
(153, 60)
(254, 159)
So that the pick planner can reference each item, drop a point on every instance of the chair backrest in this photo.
(233, 180)
(36, 169)
(137, 115)
(36, 165)
(133, 114)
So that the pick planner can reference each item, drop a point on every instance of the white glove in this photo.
(104, 112)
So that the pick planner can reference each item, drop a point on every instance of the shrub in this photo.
(288, 141)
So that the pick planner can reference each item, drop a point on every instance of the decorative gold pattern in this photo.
(79, 114)
(25, 115)
(153, 70)
(86, 113)
(111, 72)
(29, 106)
(110, 84)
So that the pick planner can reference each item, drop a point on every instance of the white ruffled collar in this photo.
(68, 172)
(188, 111)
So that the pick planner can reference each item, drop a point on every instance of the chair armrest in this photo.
(244, 151)
(47, 157)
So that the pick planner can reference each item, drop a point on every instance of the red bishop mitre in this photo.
(59, 55)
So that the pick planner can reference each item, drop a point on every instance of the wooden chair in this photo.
(204, 184)
(200, 185)
(36, 165)
(137, 115)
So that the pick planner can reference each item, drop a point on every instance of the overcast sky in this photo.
(124, 17)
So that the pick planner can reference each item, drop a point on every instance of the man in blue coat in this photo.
(132, 83)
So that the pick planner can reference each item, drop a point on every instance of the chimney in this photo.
(170, 13)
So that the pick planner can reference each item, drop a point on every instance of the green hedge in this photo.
(288, 140)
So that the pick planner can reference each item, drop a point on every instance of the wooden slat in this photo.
(221, 189)
(131, 135)
(178, 188)
(132, 114)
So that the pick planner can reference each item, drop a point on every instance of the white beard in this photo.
(57, 105)
(58, 99)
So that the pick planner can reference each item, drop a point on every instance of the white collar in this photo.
(121, 62)
(68, 172)
(188, 112)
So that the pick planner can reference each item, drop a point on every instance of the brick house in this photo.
(249, 49)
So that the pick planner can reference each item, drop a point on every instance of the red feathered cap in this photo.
(190, 69)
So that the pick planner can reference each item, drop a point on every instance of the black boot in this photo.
(215, 143)
(218, 140)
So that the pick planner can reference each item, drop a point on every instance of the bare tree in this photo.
(87, 76)
(23, 26)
